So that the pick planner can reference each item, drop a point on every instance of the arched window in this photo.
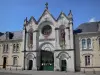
(7, 48)
(15, 61)
(17, 47)
(30, 37)
(89, 43)
(4, 48)
(14, 48)
(83, 43)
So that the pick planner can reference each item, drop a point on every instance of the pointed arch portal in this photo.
(47, 57)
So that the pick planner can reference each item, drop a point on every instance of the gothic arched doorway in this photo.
(63, 65)
(30, 64)
(29, 61)
(47, 60)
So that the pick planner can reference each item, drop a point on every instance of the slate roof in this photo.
(17, 35)
(89, 27)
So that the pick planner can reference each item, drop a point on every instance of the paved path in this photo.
(27, 72)
(2, 73)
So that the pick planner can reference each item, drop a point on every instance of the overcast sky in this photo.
(13, 12)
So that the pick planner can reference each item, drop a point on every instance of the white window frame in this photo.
(85, 43)
(87, 60)
(17, 49)
(5, 50)
(14, 49)
(15, 62)
(91, 43)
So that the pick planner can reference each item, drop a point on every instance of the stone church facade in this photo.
(46, 44)
(49, 42)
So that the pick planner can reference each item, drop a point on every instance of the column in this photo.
(34, 64)
(57, 37)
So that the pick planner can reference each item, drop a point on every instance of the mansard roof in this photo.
(17, 35)
(89, 27)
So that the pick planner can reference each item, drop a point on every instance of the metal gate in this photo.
(47, 60)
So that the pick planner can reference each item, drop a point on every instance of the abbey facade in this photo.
(46, 44)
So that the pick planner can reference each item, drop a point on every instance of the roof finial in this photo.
(25, 21)
(70, 12)
(46, 5)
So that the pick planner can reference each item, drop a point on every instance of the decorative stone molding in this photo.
(61, 53)
(5, 56)
(15, 56)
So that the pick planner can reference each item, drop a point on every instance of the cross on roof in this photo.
(46, 5)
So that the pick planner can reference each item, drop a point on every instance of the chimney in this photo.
(11, 35)
(7, 35)
(99, 26)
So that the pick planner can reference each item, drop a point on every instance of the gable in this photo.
(62, 19)
(46, 16)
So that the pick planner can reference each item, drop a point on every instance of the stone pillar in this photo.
(34, 64)
(57, 37)
(34, 40)
(71, 35)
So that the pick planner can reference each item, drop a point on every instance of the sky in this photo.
(13, 12)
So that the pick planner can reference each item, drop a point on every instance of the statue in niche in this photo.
(62, 37)
(30, 39)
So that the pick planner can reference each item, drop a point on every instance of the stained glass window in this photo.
(30, 38)
(62, 35)
(46, 30)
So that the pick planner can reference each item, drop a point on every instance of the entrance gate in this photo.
(47, 60)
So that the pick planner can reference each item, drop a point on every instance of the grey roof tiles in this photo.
(89, 27)
(17, 35)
